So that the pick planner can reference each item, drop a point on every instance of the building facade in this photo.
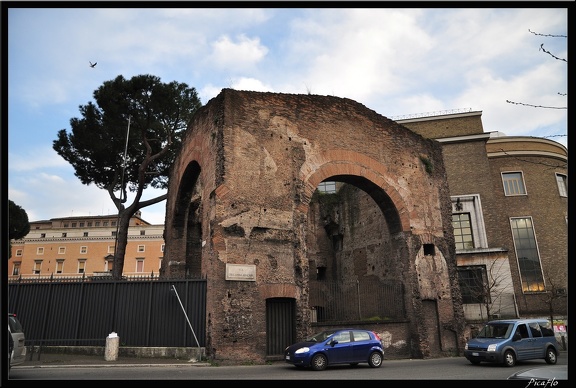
(84, 246)
(510, 215)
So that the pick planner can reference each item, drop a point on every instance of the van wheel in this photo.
(550, 356)
(509, 358)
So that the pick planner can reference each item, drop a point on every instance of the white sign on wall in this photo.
(241, 272)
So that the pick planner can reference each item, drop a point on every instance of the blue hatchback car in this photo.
(338, 346)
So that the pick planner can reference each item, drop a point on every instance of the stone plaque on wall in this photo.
(241, 272)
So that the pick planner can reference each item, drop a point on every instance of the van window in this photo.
(547, 329)
(523, 330)
(535, 329)
(496, 330)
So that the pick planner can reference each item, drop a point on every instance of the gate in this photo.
(280, 325)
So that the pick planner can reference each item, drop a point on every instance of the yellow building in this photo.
(84, 246)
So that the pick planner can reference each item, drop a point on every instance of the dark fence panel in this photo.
(144, 313)
(366, 300)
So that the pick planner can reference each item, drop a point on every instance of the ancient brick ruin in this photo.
(242, 212)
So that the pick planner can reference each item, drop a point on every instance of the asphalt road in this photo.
(452, 368)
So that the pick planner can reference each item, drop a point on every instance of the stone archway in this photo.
(259, 158)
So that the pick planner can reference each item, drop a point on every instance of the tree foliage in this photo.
(18, 224)
(127, 141)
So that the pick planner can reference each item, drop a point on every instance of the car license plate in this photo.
(287, 357)
(475, 354)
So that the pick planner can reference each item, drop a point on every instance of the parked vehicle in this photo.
(337, 346)
(546, 373)
(18, 354)
(508, 341)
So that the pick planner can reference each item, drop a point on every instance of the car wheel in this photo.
(550, 356)
(319, 362)
(375, 360)
(509, 358)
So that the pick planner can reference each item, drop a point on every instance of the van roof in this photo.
(521, 320)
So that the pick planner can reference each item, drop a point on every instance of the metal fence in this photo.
(371, 299)
(80, 312)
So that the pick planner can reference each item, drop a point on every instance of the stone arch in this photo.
(361, 171)
(185, 226)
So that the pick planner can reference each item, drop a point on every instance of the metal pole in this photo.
(121, 186)
(189, 324)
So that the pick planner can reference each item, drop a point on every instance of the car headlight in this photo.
(491, 348)
(302, 350)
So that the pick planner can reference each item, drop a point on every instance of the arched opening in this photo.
(186, 252)
(355, 255)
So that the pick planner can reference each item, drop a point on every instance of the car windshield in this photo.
(319, 337)
(496, 330)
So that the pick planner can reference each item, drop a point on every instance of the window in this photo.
(160, 263)
(513, 183)
(83, 250)
(468, 222)
(109, 264)
(547, 329)
(64, 234)
(85, 234)
(327, 187)
(65, 224)
(81, 265)
(61, 250)
(37, 267)
(140, 248)
(113, 223)
(97, 223)
(110, 248)
(59, 265)
(320, 273)
(40, 251)
(139, 265)
(105, 223)
(162, 248)
(113, 233)
(73, 224)
(462, 231)
(527, 254)
(342, 337)
(562, 185)
(89, 224)
(471, 281)
(142, 232)
(16, 269)
(42, 235)
(81, 224)
(19, 252)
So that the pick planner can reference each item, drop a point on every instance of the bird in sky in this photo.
(92, 64)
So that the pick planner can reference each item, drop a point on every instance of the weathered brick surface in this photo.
(241, 190)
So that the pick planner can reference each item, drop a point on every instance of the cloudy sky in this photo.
(396, 61)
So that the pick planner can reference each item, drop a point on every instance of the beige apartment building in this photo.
(83, 246)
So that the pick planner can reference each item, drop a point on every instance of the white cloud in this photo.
(242, 54)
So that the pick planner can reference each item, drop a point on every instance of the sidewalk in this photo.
(61, 360)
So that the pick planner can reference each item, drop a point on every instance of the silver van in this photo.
(509, 340)
(18, 354)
